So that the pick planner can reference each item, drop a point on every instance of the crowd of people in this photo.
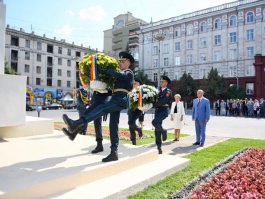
(240, 107)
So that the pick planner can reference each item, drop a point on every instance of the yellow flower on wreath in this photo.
(104, 62)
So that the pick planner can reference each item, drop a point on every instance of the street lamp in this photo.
(159, 37)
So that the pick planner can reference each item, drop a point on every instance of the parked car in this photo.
(54, 106)
(70, 106)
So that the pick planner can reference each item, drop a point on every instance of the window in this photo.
(177, 61)
(155, 50)
(250, 52)
(233, 21)
(68, 84)
(59, 72)
(27, 80)
(177, 32)
(232, 72)
(38, 70)
(68, 73)
(39, 57)
(250, 70)
(233, 37)
(202, 58)
(27, 43)
(203, 27)
(59, 61)
(233, 53)
(155, 77)
(165, 61)
(155, 63)
(60, 50)
(69, 52)
(37, 81)
(217, 24)
(68, 62)
(189, 59)
(250, 17)
(39, 47)
(50, 48)
(250, 34)
(177, 75)
(217, 56)
(49, 82)
(177, 46)
(26, 69)
(14, 41)
(250, 88)
(202, 73)
(203, 42)
(27, 55)
(189, 44)
(59, 83)
(217, 39)
(166, 48)
(189, 29)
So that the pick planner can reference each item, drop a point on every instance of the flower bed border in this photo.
(187, 190)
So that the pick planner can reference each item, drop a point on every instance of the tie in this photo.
(199, 102)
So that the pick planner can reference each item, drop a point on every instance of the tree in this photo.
(234, 93)
(9, 70)
(142, 76)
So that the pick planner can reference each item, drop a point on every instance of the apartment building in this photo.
(51, 65)
(226, 37)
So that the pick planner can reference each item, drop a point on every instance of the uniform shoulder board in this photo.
(127, 71)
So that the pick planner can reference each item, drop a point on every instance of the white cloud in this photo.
(70, 13)
(65, 31)
(95, 13)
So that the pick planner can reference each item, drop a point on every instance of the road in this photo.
(222, 126)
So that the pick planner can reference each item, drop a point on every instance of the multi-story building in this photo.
(51, 66)
(122, 36)
(225, 37)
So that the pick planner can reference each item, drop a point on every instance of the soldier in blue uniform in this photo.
(133, 115)
(82, 105)
(162, 111)
(117, 102)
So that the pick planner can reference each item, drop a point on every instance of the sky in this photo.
(83, 21)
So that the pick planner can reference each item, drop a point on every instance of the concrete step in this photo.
(47, 165)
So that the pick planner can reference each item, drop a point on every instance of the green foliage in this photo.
(200, 161)
(9, 70)
(234, 93)
(142, 76)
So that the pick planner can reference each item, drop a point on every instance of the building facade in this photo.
(122, 36)
(51, 66)
(225, 37)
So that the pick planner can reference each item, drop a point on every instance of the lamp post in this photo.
(159, 37)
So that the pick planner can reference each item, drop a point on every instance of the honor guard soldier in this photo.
(161, 111)
(117, 102)
(133, 115)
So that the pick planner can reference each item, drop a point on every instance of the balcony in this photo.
(116, 39)
(117, 47)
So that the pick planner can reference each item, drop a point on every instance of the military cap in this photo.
(126, 55)
(138, 80)
(163, 77)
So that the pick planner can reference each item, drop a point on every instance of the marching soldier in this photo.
(133, 115)
(117, 102)
(162, 111)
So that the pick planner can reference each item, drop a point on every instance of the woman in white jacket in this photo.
(177, 113)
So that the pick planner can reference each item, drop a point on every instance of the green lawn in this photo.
(200, 161)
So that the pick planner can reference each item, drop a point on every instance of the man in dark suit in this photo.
(162, 111)
(201, 115)
(133, 115)
(118, 101)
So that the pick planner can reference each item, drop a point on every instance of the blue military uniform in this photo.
(161, 113)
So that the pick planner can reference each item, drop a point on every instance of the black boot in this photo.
(73, 125)
(99, 148)
(164, 135)
(140, 132)
(159, 150)
(70, 135)
(113, 156)
(134, 142)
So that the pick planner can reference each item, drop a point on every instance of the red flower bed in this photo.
(244, 178)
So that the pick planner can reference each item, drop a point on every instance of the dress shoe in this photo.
(164, 135)
(133, 142)
(99, 148)
(196, 143)
(140, 132)
(71, 136)
(113, 156)
(175, 140)
(72, 125)
(159, 150)
(201, 145)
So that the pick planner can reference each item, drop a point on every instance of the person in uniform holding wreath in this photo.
(118, 101)
(133, 115)
(177, 114)
(162, 111)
